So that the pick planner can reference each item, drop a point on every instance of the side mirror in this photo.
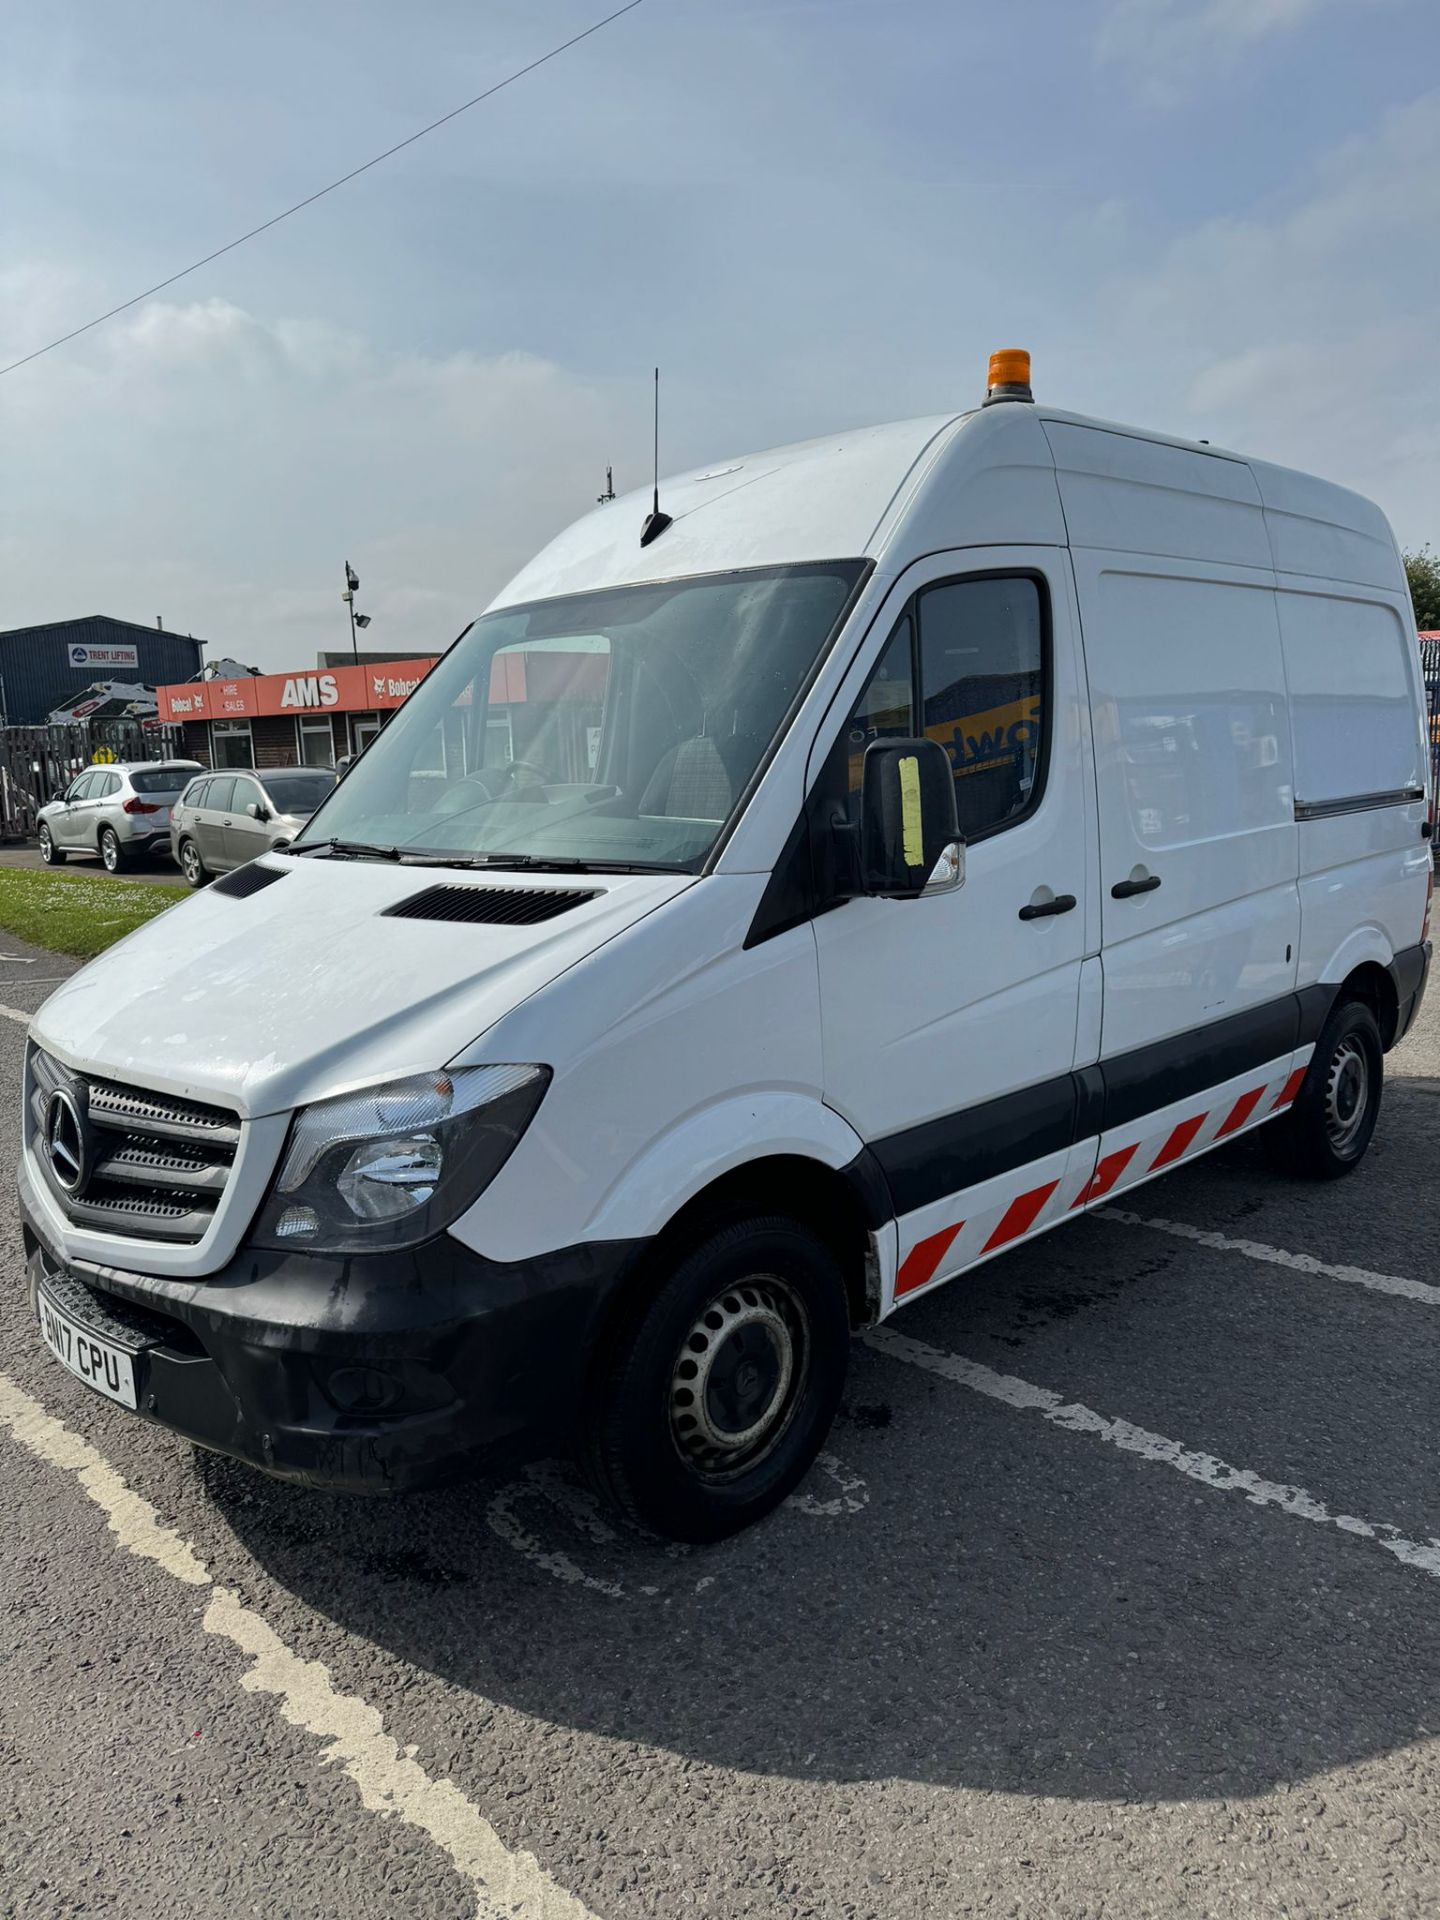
(256, 811)
(910, 840)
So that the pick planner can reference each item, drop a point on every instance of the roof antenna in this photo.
(655, 521)
(604, 499)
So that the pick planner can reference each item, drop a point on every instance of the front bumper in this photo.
(367, 1374)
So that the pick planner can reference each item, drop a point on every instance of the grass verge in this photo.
(75, 913)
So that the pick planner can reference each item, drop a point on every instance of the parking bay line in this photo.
(1218, 1475)
(14, 1013)
(514, 1885)
(1304, 1263)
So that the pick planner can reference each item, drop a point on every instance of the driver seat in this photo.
(699, 778)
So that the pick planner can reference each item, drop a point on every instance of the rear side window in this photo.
(194, 795)
(970, 656)
(218, 795)
(160, 779)
(103, 785)
(1353, 704)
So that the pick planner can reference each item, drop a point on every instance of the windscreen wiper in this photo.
(535, 863)
(346, 850)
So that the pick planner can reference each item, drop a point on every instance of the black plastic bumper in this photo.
(1410, 970)
(361, 1375)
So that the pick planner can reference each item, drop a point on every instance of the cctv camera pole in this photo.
(352, 587)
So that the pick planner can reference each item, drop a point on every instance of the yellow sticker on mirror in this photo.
(911, 832)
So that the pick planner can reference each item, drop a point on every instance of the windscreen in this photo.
(298, 792)
(613, 728)
(162, 779)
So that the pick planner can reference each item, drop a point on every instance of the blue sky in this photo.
(1214, 216)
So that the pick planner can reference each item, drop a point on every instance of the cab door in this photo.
(950, 1022)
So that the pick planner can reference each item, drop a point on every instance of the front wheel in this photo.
(191, 865)
(723, 1384)
(1326, 1132)
(112, 855)
(50, 854)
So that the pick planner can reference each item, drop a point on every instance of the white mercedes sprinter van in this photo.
(780, 901)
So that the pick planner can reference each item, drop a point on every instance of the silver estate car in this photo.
(117, 812)
(226, 818)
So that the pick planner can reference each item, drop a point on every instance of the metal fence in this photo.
(37, 763)
(1430, 667)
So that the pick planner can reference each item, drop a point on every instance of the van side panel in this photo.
(1126, 494)
(1193, 767)
(1360, 776)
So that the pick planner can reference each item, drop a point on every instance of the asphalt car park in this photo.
(1114, 1594)
(158, 867)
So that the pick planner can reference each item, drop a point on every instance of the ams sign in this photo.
(310, 690)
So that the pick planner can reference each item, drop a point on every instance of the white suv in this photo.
(115, 812)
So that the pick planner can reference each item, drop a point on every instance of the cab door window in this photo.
(976, 651)
(983, 692)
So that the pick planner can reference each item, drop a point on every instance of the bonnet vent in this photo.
(246, 880)
(494, 906)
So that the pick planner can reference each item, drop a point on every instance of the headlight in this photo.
(393, 1165)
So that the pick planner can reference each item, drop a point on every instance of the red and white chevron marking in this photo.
(944, 1239)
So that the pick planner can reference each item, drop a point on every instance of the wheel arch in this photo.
(845, 1207)
(1373, 986)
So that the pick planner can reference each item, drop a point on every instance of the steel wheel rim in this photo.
(1347, 1094)
(737, 1377)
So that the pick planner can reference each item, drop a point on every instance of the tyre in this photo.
(50, 854)
(722, 1385)
(112, 854)
(191, 865)
(1326, 1132)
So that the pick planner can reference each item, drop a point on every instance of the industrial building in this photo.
(46, 668)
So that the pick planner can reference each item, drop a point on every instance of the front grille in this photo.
(157, 1164)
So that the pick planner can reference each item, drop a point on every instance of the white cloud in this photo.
(1305, 333)
(197, 461)
(1167, 43)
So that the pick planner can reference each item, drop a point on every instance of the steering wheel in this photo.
(502, 777)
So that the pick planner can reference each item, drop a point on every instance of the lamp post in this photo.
(352, 587)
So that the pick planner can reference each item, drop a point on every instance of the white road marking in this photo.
(14, 1013)
(1305, 1263)
(543, 1478)
(1218, 1475)
(851, 1493)
(390, 1781)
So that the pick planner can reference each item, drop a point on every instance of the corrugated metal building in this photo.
(42, 668)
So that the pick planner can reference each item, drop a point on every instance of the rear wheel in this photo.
(112, 854)
(724, 1382)
(1327, 1131)
(50, 854)
(191, 865)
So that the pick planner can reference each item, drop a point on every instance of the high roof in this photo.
(983, 478)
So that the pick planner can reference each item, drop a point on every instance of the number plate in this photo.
(99, 1363)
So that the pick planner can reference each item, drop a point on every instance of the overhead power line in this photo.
(311, 198)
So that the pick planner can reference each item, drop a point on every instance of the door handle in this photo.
(1062, 903)
(1126, 889)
